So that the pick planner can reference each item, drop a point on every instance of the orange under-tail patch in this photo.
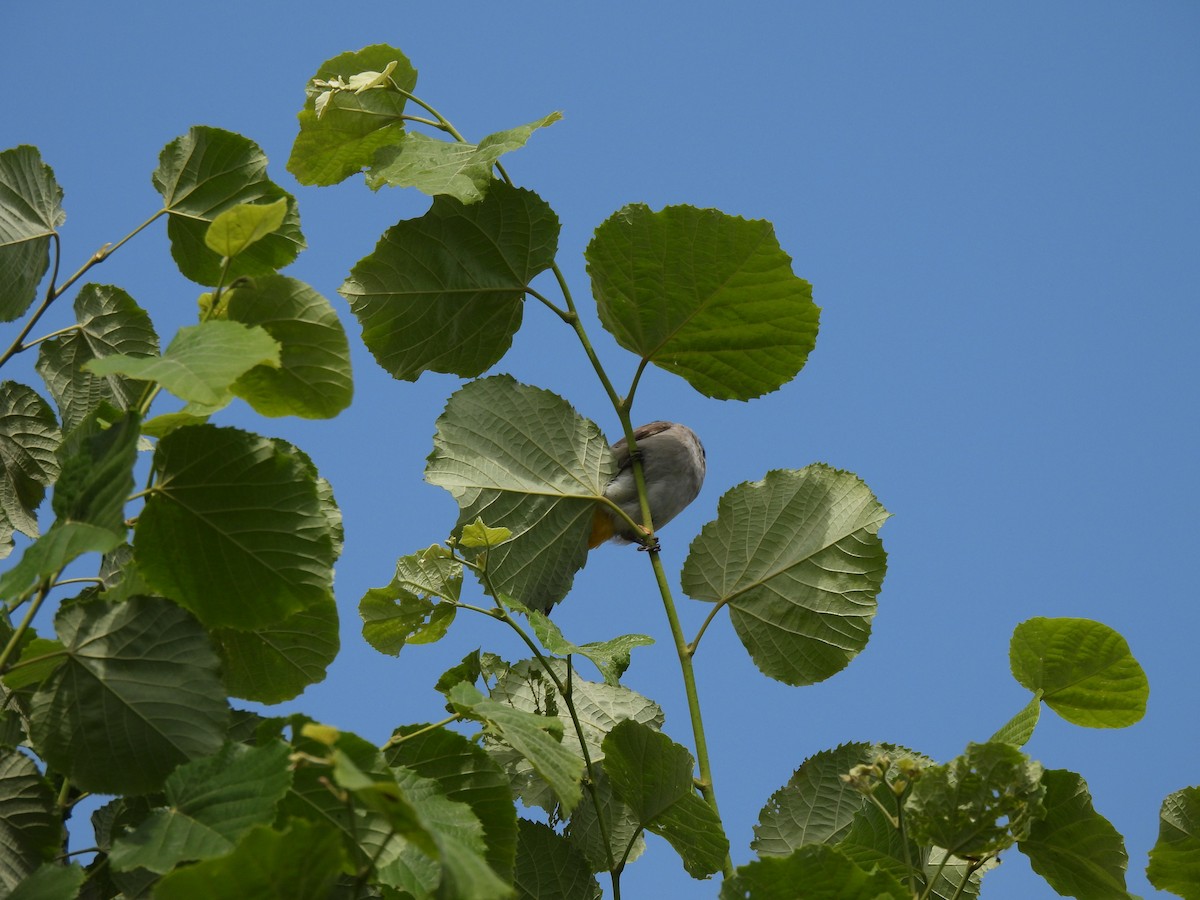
(602, 529)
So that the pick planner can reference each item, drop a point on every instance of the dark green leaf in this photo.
(825, 873)
(312, 378)
(522, 458)
(45, 557)
(30, 828)
(53, 881)
(109, 323)
(625, 839)
(200, 175)
(1175, 857)
(408, 608)
(29, 439)
(140, 693)
(708, 296)
(96, 476)
(1073, 847)
(352, 125)
(1083, 668)
(444, 292)
(235, 528)
(30, 212)
(232, 231)
(550, 868)
(797, 558)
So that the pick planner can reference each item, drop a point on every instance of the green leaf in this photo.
(537, 738)
(139, 693)
(468, 775)
(444, 292)
(523, 459)
(53, 881)
(232, 231)
(202, 361)
(204, 173)
(29, 439)
(352, 125)
(1019, 729)
(96, 475)
(456, 169)
(478, 536)
(30, 827)
(312, 378)
(407, 609)
(39, 659)
(550, 868)
(978, 803)
(1073, 847)
(30, 212)
(611, 657)
(1175, 857)
(825, 873)
(275, 662)
(299, 863)
(797, 558)
(1084, 670)
(708, 296)
(248, 502)
(108, 323)
(211, 802)
(654, 776)
(625, 838)
(45, 557)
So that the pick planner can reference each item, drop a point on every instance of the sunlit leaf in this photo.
(1019, 729)
(232, 231)
(30, 212)
(1175, 857)
(418, 604)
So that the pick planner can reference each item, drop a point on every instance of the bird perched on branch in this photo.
(673, 462)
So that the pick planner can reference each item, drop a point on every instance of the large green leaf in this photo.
(825, 873)
(550, 868)
(621, 824)
(797, 558)
(457, 169)
(276, 661)
(235, 528)
(522, 458)
(202, 361)
(53, 881)
(139, 693)
(200, 175)
(299, 863)
(29, 439)
(655, 777)
(30, 212)
(343, 136)
(417, 605)
(211, 802)
(1084, 670)
(1175, 857)
(1073, 847)
(96, 477)
(30, 828)
(312, 378)
(708, 296)
(443, 292)
(108, 323)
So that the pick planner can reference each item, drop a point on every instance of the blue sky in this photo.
(998, 206)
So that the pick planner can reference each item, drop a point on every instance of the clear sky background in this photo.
(998, 205)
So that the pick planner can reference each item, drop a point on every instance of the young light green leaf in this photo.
(708, 296)
(29, 439)
(232, 231)
(523, 459)
(1175, 857)
(978, 803)
(139, 693)
(456, 169)
(313, 377)
(478, 536)
(444, 292)
(202, 361)
(550, 868)
(302, 862)
(797, 558)
(342, 127)
(252, 503)
(1073, 847)
(211, 802)
(825, 872)
(654, 776)
(276, 661)
(408, 608)
(45, 557)
(109, 323)
(30, 826)
(1019, 729)
(200, 175)
(1084, 670)
(611, 657)
(30, 212)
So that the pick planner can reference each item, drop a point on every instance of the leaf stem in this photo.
(397, 739)
(717, 607)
